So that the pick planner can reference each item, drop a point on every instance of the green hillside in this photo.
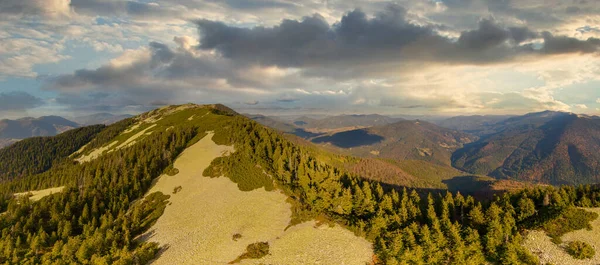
(38, 154)
(100, 213)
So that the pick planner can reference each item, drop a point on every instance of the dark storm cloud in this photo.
(561, 44)
(489, 35)
(288, 44)
(387, 37)
(110, 75)
(17, 100)
(106, 75)
(312, 40)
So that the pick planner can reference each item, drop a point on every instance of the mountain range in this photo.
(30, 127)
(343, 122)
(547, 147)
(403, 140)
(201, 184)
(12, 131)
(543, 147)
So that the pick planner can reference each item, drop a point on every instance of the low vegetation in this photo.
(254, 251)
(547, 249)
(236, 236)
(580, 250)
(249, 176)
(177, 189)
(567, 220)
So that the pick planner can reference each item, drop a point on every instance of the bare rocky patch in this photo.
(540, 244)
(36, 195)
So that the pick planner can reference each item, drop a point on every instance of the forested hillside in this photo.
(98, 216)
(403, 140)
(37, 154)
(547, 147)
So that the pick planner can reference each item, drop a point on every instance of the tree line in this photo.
(405, 226)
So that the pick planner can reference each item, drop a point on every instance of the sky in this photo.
(418, 57)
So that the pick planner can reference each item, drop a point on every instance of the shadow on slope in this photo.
(467, 184)
(350, 139)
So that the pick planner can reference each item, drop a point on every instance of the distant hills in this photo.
(543, 147)
(308, 127)
(478, 125)
(403, 140)
(343, 122)
(549, 147)
(12, 131)
(100, 118)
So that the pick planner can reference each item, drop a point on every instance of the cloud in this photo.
(18, 56)
(135, 9)
(387, 38)
(490, 35)
(287, 98)
(453, 56)
(18, 101)
(44, 8)
(312, 41)
(562, 44)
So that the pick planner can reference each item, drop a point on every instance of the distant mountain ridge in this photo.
(100, 118)
(403, 140)
(548, 147)
(12, 131)
(478, 125)
(30, 127)
(352, 121)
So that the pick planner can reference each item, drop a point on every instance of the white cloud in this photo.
(19, 55)
(400, 86)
